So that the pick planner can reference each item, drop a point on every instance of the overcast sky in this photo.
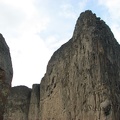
(34, 29)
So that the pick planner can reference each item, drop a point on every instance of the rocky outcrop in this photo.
(23, 103)
(18, 102)
(34, 103)
(82, 81)
(6, 73)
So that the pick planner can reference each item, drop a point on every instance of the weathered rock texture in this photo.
(34, 103)
(82, 81)
(23, 103)
(17, 106)
(6, 73)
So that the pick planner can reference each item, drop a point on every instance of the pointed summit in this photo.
(88, 22)
(82, 78)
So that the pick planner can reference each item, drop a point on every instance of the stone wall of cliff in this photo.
(34, 103)
(82, 81)
(17, 106)
(6, 73)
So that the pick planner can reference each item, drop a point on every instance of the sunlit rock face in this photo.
(82, 81)
(6, 74)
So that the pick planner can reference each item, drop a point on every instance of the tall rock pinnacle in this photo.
(6, 74)
(82, 81)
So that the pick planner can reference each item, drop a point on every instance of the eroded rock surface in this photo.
(6, 74)
(34, 103)
(18, 101)
(82, 81)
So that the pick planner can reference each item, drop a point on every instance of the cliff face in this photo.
(23, 103)
(34, 103)
(82, 81)
(6, 73)
(17, 106)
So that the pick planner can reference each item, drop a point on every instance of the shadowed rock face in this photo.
(34, 103)
(82, 81)
(23, 103)
(6, 73)
(18, 102)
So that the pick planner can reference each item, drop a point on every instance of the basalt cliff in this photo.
(82, 80)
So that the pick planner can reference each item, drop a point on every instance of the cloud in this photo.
(30, 64)
(20, 23)
(114, 15)
(67, 11)
(73, 9)
(112, 7)
(34, 29)
(82, 5)
(55, 42)
(10, 19)
(23, 5)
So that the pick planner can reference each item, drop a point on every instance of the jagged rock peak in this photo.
(88, 21)
(87, 18)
